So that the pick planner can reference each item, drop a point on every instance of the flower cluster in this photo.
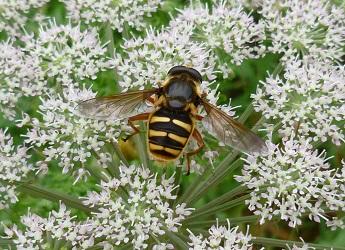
(221, 237)
(14, 166)
(14, 14)
(60, 228)
(291, 182)
(142, 211)
(311, 27)
(147, 60)
(118, 14)
(60, 52)
(20, 75)
(68, 53)
(310, 100)
(225, 27)
(64, 135)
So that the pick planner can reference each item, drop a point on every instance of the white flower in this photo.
(46, 232)
(63, 135)
(119, 14)
(147, 60)
(20, 75)
(139, 212)
(14, 14)
(310, 99)
(221, 237)
(163, 246)
(68, 53)
(225, 27)
(292, 181)
(14, 167)
(311, 27)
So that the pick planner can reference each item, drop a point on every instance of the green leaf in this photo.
(54, 196)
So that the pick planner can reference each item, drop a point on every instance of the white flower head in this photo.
(292, 181)
(118, 14)
(14, 14)
(220, 237)
(64, 135)
(20, 75)
(143, 212)
(311, 27)
(309, 100)
(147, 60)
(225, 27)
(67, 52)
(14, 166)
(42, 232)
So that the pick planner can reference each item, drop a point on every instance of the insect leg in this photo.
(197, 136)
(198, 117)
(139, 117)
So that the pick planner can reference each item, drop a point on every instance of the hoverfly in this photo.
(172, 122)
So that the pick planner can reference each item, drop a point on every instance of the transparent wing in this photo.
(231, 132)
(115, 107)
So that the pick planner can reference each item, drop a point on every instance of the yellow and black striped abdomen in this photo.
(168, 133)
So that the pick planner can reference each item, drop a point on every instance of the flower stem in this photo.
(222, 199)
(278, 69)
(223, 169)
(110, 38)
(249, 110)
(176, 240)
(54, 196)
(236, 220)
(177, 181)
(219, 208)
(119, 153)
(284, 243)
(6, 244)
(140, 141)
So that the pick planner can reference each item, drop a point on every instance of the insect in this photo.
(171, 124)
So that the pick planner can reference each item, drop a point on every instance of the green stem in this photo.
(96, 172)
(223, 170)
(222, 199)
(249, 110)
(140, 141)
(110, 169)
(54, 196)
(198, 188)
(176, 240)
(6, 244)
(110, 38)
(285, 243)
(237, 220)
(278, 69)
(177, 181)
(219, 208)
(120, 154)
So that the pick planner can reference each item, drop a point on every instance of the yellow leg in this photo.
(140, 117)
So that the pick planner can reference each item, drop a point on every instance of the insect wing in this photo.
(231, 132)
(115, 107)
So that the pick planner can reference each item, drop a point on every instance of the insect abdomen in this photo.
(168, 133)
